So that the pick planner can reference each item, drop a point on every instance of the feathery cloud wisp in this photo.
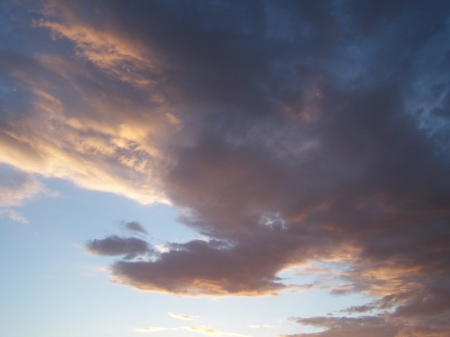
(209, 331)
(153, 329)
(183, 317)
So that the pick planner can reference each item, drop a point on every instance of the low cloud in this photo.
(369, 326)
(358, 309)
(257, 326)
(115, 245)
(17, 186)
(153, 329)
(191, 269)
(183, 317)
(13, 215)
(209, 331)
(135, 226)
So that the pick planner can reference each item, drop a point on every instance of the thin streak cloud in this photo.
(209, 331)
(183, 317)
(154, 329)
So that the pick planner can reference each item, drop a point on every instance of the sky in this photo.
(225, 168)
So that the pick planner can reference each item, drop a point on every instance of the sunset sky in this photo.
(225, 168)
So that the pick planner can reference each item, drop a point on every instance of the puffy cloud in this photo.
(114, 245)
(191, 269)
(183, 317)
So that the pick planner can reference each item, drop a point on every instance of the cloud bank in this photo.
(288, 133)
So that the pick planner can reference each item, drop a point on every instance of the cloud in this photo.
(257, 326)
(13, 215)
(369, 326)
(153, 329)
(107, 50)
(114, 245)
(183, 317)
(17, 186)
(284, 160)
(135, 226)
(191, 269)
(75, 141)
(358, 309)
(209, 331)
(289, 133)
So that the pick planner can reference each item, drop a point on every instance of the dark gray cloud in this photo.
(135, 226)
(369, 326)
(358, 309)
(300, 131)
(114, 245)
(209, 268)
(301, 124)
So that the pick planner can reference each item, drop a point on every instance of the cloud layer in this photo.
(287, 133)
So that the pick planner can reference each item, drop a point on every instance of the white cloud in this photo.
(17, 186)
(209, 331)
(183, 317)
(153, 329)
(257, 326)
(13, 215)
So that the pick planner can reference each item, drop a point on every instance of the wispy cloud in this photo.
(209, 331)
(257, 326)
(13, 215)
(154, 329)
(107, 50)
(17, 185)
(183, 317)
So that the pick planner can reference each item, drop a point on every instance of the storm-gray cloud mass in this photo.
(285, 132)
